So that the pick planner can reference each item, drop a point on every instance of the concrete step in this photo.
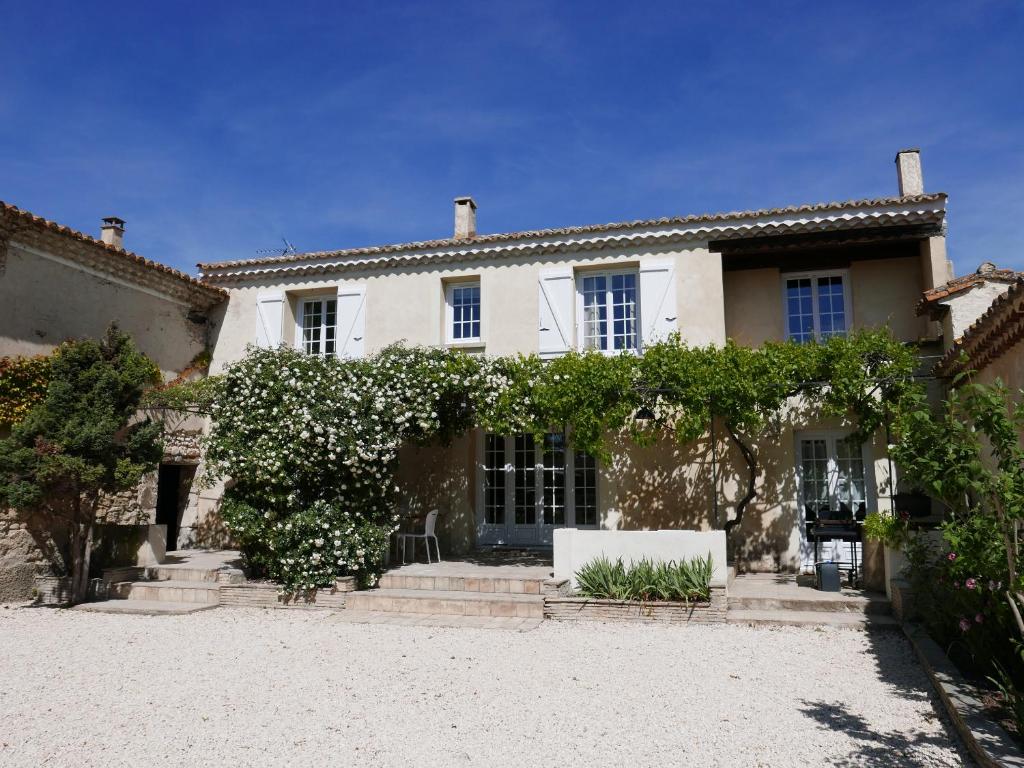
(791, 618)
(462, 583)
(447, 602)
(167, 591)
(144, 607)
(841, 604)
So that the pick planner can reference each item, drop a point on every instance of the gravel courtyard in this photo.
(241, 687)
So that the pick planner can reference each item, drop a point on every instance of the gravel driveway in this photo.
(240, 687)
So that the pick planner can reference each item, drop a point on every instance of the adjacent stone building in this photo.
(57, 284)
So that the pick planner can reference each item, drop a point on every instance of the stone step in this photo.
(790, 618)
(164, 573)
(167, 591)
(144, 607)
(460, 583)
(854, 605)
(446, 602)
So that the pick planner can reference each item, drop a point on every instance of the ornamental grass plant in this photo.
(645, 580)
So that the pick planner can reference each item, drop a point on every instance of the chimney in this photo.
(465, 218)
(908, 171)
(112, 231)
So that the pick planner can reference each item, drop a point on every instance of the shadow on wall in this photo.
(439, 477)
(667, 485)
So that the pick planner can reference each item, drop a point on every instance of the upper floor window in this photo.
(817, 305)
(463, 312)
(609, 314)
(318, 326)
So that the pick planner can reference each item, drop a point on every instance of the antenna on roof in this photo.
(287, 250)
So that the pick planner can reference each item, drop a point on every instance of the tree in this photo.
(82, 439)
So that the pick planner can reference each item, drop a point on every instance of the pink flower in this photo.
(979, 618)
(970, 583)
(952, 556)
(964, 625)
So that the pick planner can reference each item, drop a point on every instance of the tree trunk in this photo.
(752, 469)
(81, 553)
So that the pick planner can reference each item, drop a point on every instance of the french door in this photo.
(529, 487)
(833, 475)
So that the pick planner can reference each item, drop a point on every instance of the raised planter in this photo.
(895, 568)
(52, 590)
(593, 609)
(269, 596)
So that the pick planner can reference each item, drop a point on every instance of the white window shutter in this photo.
(269, 319)
(351, 321)
(557, 311)
(658, 316)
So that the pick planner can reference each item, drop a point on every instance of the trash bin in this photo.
(828, 576)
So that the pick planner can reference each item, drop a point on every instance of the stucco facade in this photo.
(713, 278)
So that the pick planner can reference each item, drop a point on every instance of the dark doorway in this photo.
(172, 487)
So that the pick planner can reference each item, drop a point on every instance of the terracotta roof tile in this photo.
(999, 328)
(16, 216)
(927, 304)
(541, 233)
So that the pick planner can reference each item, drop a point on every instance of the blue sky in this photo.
(215, 128)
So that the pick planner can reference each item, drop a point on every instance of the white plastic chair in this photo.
(428, 533)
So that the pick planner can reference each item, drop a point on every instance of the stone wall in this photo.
(27, 549)
(590, 609)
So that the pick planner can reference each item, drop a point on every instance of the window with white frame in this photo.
(318, 326)
(608, 315)
(817, 305)
(463, 312)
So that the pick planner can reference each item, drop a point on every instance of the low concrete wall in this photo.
(574, 548)
(589, 609)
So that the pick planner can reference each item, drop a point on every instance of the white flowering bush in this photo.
(310, 447)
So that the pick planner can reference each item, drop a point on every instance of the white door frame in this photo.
(831, 437)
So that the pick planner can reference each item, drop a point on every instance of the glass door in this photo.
(832, 480)
(530, 487)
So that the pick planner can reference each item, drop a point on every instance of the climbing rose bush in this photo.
(310, 446)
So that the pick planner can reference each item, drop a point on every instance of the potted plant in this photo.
(890, 531)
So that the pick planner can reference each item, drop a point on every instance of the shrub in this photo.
(22, 384)
(646, 580)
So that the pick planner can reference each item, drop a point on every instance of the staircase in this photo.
(788, 600)
(455, 589)
(167, 589)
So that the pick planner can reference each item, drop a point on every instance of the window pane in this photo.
(624, 311)
(525, 489)
(585, 490)
(831, 309)
(554, 479)
(595, 312)
(465, 300)
(799, 309)
(494, 479)
(814, 473)
(312, 325)
(850, 481)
